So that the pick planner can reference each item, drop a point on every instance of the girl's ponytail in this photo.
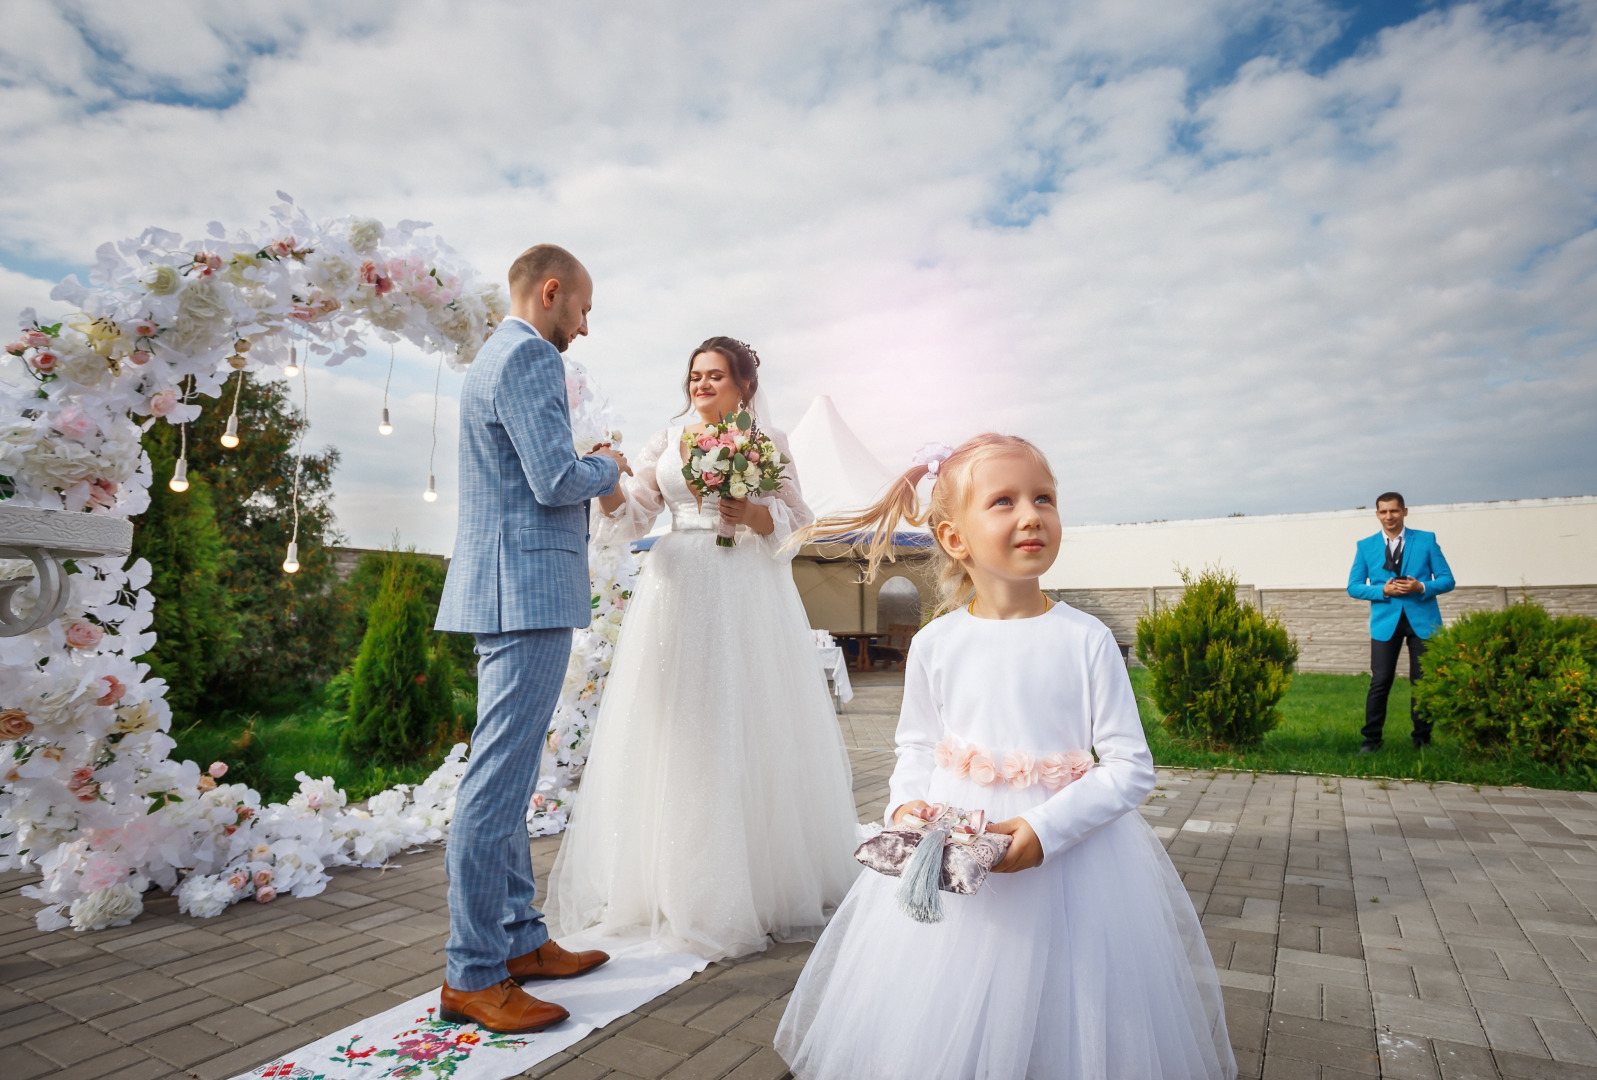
(878, 522)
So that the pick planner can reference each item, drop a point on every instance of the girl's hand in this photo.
(914, 808)
(743, 512)
(1025, 850)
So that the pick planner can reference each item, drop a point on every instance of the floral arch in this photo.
(89, 792)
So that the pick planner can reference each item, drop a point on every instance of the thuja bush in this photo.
(401, 696)
(1219, 666)
(1516, 680)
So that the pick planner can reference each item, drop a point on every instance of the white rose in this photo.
(333, 273)
(201, 310)
(114, 905)
(163, 281)
(739, 490)
(365, 234)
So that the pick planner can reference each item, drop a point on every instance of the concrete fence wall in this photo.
(1332, 628)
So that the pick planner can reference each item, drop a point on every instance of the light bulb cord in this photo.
(183, 428)
(438, 381)
(388, 381)
(238, 388)
(299, 444)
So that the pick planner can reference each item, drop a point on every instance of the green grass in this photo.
(265, 750)
(1319, 733)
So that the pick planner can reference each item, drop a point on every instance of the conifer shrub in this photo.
(401, 695)
(1219, 667)
(1516, 680)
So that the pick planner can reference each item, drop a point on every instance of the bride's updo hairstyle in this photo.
(741, 360)
(948, 501)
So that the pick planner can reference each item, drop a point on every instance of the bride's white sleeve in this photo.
(1124, 774)
(920, 726)
(789, 511)
(642, 498)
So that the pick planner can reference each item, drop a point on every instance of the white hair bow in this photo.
(932, 455)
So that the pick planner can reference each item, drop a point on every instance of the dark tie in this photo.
(1394, 556)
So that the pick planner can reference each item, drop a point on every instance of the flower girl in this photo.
(1081, 955)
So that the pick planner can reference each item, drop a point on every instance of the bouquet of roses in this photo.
(732, 460)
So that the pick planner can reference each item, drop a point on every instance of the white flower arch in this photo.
(89, 793)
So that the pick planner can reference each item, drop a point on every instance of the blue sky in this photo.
(1214, 257)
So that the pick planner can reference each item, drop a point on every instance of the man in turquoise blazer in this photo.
(1401, 572)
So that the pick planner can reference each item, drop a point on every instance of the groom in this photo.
(519, 583)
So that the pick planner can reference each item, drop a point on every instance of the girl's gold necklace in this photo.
(1047, 604)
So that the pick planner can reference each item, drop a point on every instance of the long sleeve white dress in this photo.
(716, 809)
(1093, 965)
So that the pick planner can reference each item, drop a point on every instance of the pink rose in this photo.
(140, 357)
(753, 456)
(218, 769)
(163, 403)
(17, 348)
(1078, 762)
(711, 479)
(43, 361)
(246, 812)
(263, 878)
(83, 784)
(372, 275)
(265, 895)
(982, 769)
(144, 328)
(102, 494)
(1019, 769)
(537, 802)
(36, 339)
(114, 689)
(708, 442)
(14, 724)
(728, 440)
(238, 880)
(82, 634)
(74, 423)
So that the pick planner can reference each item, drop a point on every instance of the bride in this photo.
(716, 808)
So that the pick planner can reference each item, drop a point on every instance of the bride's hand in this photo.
(743, 512)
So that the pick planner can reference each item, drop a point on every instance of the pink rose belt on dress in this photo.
(1019, 768)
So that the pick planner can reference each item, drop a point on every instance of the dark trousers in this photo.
(1383, 669)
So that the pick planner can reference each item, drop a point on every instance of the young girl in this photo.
(1081, 955)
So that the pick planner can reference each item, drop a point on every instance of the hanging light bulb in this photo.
(293, 362)
(180, 476)
(230, 436)
(385, 428)
(431, 494)
(291, 563)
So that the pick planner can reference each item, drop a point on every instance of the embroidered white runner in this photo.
(410, 1041)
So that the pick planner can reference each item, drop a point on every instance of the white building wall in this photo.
(1522, 542)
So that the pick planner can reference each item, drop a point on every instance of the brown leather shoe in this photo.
(550, 961)
(504, 1007)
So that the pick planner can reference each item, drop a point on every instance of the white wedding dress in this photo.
(716, 809)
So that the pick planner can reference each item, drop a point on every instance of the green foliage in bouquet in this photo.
(1219, 667)
(401, 700)
(1517, 680)
(195, 625)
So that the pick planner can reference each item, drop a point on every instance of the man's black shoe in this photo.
(1369, 748)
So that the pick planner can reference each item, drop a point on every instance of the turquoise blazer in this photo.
(1423, 561)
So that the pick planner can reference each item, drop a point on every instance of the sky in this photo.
(1214, 257)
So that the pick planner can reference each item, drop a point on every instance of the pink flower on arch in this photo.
(83, 784)
(82, 634)
(74, 423)
(43, 361)
(114, 689)
(144, 328)
(17, 348)
(140, 357)
(36, 339)
(218, 769)
(102, 494)
(163, 402)
(265, 895)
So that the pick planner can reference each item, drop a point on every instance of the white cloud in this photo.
(1283, 289)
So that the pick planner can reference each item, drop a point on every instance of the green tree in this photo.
(285, 621)
(401, 701)
(1219, 666)
(194, 622)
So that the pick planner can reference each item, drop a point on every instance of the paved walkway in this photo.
(1362, 929)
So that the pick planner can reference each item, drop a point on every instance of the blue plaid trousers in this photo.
(492, 916)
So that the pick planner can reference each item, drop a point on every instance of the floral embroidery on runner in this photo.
(435, 1049)
(1018, 768)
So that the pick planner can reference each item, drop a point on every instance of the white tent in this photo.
(836, 470)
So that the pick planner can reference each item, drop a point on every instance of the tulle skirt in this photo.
(716, 809)
(1090, 967)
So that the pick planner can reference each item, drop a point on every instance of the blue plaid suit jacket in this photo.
(521, 543)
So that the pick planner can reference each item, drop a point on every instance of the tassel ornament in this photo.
(918, 886)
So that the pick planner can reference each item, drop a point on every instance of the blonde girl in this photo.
(1081, 956)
